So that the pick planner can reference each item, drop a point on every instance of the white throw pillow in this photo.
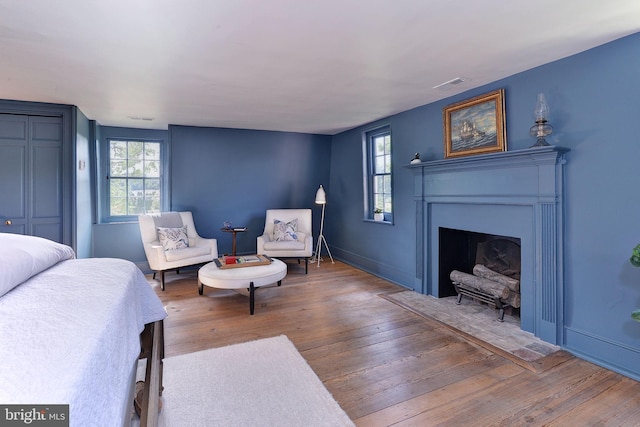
(173, 238)
(285, 231)
(22, 257)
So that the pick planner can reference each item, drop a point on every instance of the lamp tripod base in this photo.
(316, 257)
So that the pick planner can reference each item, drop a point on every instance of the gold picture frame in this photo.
(475, 126)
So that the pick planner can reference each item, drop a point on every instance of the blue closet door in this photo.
(31, 178)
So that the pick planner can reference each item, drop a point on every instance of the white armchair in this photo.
(284, 240)
(168, 246)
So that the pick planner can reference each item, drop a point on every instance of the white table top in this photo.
(236, 278)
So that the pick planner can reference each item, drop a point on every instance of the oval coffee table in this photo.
(242, 278)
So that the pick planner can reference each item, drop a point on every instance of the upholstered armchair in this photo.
(287, 234)
(171, 241)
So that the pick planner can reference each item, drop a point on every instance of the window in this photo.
(379, 179)
(134, 184)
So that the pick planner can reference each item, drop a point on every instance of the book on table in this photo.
(242, 261)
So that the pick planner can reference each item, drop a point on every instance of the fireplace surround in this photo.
(514, 193)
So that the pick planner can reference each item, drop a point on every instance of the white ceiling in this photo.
(317, 66)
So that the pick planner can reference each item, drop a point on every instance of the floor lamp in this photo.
(321, 199)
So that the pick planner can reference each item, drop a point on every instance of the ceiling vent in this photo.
(452, 82)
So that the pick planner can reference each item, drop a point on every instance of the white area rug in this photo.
(258, 383)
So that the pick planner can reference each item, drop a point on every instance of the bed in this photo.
(70, 330)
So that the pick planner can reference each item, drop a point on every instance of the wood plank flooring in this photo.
(388, 366)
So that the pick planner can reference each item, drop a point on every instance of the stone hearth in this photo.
(478, 323)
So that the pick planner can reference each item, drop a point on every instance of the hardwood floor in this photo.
(388, 366)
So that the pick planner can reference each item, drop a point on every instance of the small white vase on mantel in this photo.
(378, 216)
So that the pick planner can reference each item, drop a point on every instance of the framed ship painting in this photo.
(475, 126)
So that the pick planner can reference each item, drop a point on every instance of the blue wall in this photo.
(595, 103)
(226, 174)
(83, 186)
(236, 175)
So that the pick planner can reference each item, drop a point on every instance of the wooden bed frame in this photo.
(152, 349)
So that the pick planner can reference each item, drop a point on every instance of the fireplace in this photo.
(517, 194)
(459, 250)
(483, 267)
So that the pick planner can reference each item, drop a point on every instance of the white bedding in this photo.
(24, 256)
(70, 335)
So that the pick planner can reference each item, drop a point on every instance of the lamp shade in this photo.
(541, 111)
(321, 196)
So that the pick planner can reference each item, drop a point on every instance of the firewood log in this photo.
(482, 271)
(513, 300)
(486, 285)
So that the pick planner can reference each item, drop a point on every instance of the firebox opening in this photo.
(459, 250)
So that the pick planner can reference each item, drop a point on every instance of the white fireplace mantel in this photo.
(514, 193)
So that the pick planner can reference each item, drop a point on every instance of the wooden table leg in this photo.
(252, 291)
(233, 243)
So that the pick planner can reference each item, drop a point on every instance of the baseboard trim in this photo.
(604, 352)
(383, 270)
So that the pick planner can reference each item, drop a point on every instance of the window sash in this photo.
(379, 170)
(134, 180)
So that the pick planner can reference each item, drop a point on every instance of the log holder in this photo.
(481, 296)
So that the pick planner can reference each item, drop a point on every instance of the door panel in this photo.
(13, 127)
(31, 159)
(13, 173)
(46, 182)
(46, 177)
(12, 181)
(51, 231)
(46, 129)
